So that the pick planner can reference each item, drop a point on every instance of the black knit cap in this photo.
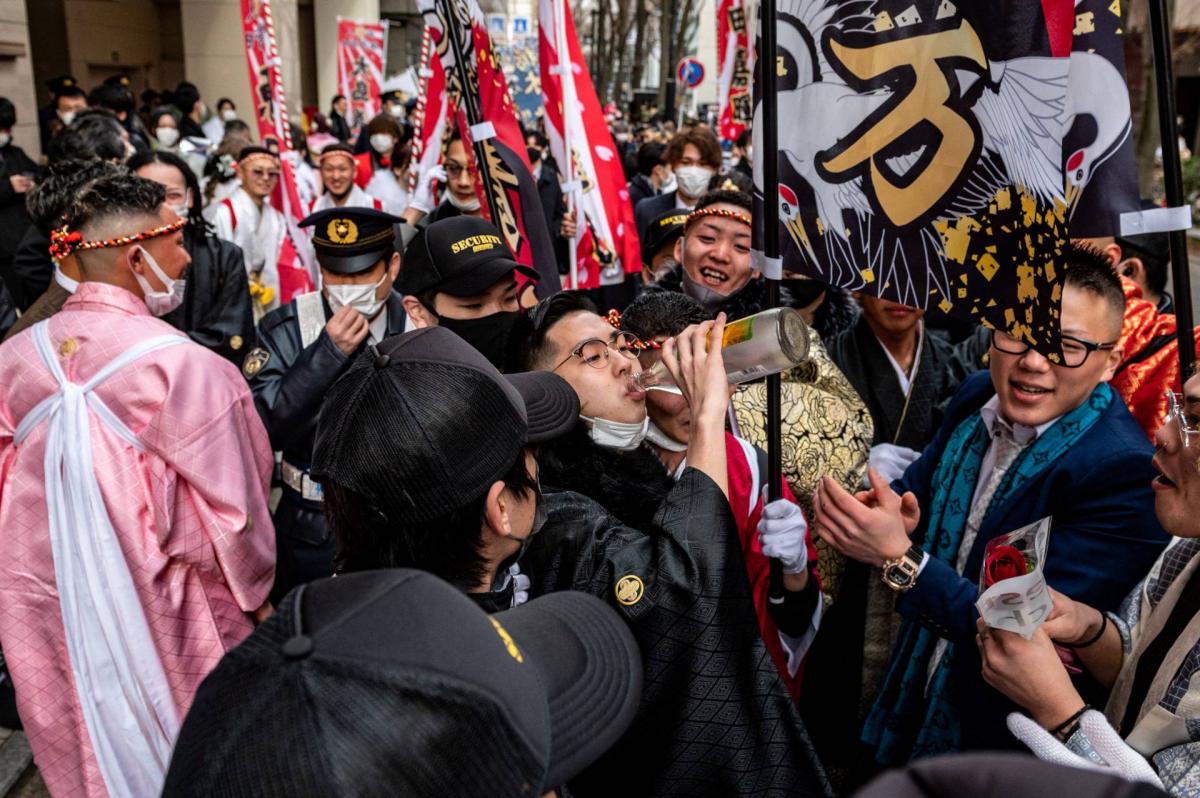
(395, 683)
(666, 228)
(351, 240)
(422, 424)
(460, 256)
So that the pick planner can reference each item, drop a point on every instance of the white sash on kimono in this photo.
(123, 691)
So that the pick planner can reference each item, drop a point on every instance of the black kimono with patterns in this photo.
(715, 719)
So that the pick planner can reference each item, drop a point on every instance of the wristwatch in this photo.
(901, 574)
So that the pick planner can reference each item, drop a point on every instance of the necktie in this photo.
(1006, 450)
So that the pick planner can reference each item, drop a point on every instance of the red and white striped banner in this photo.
(431, 113)
(297, 261)
(606, 241)
(361, 51)
(735, 104)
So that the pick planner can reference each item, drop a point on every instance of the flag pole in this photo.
(565, 71)
(774, 267)
(1164, 78)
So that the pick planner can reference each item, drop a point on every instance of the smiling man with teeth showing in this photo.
(1027, 440)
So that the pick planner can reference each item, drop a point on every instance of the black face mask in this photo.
(490, 335)
(804, 292)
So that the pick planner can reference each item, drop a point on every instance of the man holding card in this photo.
(1038, 439)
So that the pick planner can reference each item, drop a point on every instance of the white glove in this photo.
(890, 461)
(423, 200)
(783, 533)
(521, 585)
(1104, 740)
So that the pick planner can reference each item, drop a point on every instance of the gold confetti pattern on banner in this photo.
(1002, 264)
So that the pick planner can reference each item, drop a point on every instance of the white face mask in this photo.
(5, 139)
(664, 441)
(360, 297)
(67, 118)
(160, 303)
(167, 136)
(397, 111)
(383, 143)
(619, 435)
(472, 205)
(229, 115)
(669, 184)
(693, 180)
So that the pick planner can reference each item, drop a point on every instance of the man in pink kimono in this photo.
(134, 474)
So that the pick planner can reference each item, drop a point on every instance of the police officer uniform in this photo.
(294, 365)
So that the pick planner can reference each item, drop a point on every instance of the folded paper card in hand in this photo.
(1013, 594)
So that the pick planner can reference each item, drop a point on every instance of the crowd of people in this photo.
(342, 544)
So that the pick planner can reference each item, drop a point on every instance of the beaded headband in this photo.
(64, 241)
(722, 213)
(274, 159)
(334, 153)
(614, 318)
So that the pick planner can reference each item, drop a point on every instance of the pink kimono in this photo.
(183, 469)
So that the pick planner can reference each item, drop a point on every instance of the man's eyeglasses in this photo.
(594, 351)
(1075, 350)
(1189, 425)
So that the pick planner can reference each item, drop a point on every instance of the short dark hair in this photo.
(1152, 249)
(668, 313)
(121, 194)
(254, 149)
(102, 131)
(185, 97)
(534, 347)
(337, 97)
(1088, 270)
(52, 199)
(68, 91)
(650, 155)
(69, 146)
(8, 114)
(538, 138)
(702, 139)
(723, 196)
(449, 546)
(223, 101)
(161, 111)
(744, 138)
(384, 123)
(195, 215)
(113, 96)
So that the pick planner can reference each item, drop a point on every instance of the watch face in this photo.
(899, 577)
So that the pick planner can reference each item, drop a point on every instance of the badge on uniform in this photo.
(629, 590)
(255, 360)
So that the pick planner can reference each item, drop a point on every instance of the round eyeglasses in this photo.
(594, 351)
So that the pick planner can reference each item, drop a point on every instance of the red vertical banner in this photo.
(735, 104)
(297, 262)
(361, 51)
(606, 239)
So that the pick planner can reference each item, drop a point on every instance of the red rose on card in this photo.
(1003, 562)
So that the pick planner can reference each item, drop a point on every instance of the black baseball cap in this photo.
(395, 683)
(422, 423)
(460, 256)
(58, 84)
(351, 240)
(393, 96)
(666, 228)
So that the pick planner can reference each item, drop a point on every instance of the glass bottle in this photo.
(754, 347)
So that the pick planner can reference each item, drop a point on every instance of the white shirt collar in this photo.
(378, 326)
(1023, 434)
(66, 282)
(906, 380)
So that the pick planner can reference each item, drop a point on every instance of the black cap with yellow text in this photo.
(460, 256)
(351, 240)
(666, 228)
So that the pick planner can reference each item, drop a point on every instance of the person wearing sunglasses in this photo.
(1146, 652)
(246, 218)
(1032, 437)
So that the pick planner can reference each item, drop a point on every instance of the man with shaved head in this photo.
(134, 475)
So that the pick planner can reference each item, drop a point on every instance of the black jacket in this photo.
(339, 128)
(640, 188)
(646, 210)
(29, 274)
(553, 208)
(715, 718)
(289, 382)
(216, 306)
(14, 219)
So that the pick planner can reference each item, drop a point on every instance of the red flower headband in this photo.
(64, 241)
(737, 216)
(336, 153)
